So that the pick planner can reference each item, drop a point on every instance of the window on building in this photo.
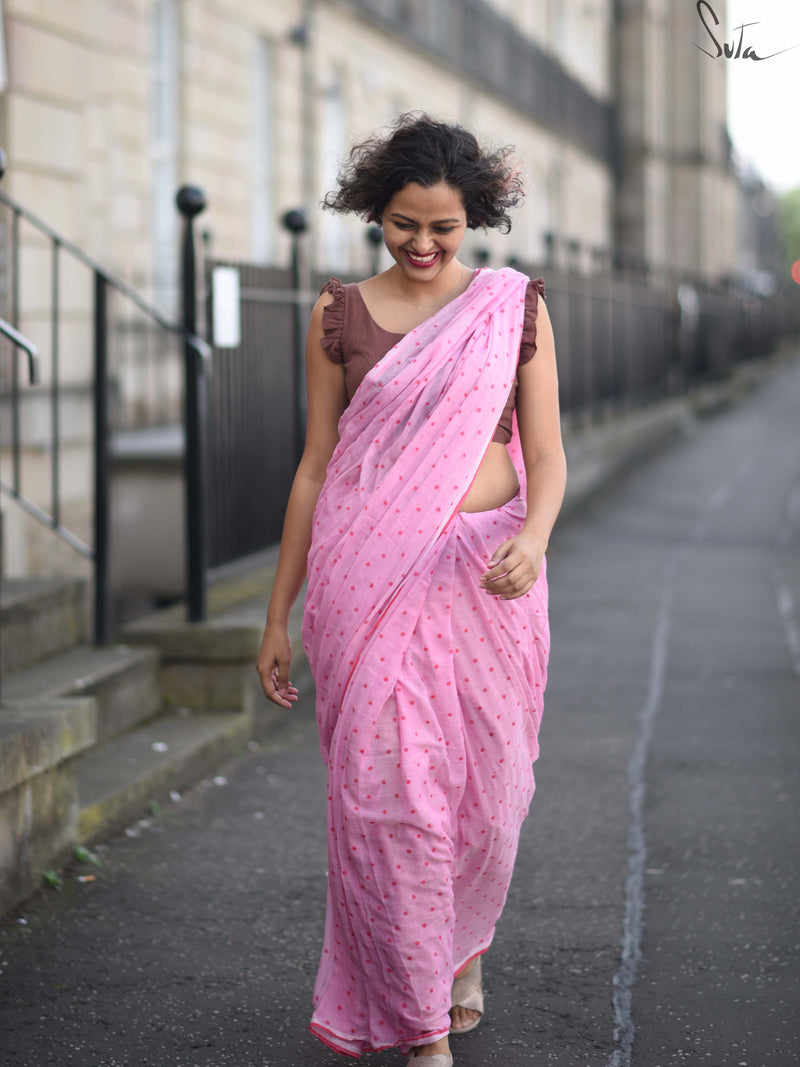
(263, 142)
(164, 112)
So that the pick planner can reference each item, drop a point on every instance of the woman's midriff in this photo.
(494, 484)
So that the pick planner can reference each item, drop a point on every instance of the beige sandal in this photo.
(441, 1059)
(468, 993)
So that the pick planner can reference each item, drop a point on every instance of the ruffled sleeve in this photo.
(527, 346)
(333, 320)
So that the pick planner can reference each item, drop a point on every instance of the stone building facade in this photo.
(111, 104)
(676, 197)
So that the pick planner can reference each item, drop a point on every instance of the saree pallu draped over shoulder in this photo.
(429, 692)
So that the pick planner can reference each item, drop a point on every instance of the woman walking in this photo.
(432, 476)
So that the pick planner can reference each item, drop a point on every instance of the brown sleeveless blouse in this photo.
(354, 339)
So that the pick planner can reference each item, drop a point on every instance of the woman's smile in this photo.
(422, 261)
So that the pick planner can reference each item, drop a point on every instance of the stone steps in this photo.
(40, 618)
(123, 681)
(39, 743)
(210, 665)
(37, 736)
(119, 780)
(91, 737)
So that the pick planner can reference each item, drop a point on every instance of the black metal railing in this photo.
(255, 431)
(87, 303)
(191, 202)
(626, 338)
(253, 426)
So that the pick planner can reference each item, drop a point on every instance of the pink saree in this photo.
(429, 692)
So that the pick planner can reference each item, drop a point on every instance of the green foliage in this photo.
(53, 879)
(789, 226)
(155, 808)
(83, 855)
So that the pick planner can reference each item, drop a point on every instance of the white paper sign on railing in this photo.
(227, 307)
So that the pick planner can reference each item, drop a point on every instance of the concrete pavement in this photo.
(652, 919)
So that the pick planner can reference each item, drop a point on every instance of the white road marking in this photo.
(633, 913)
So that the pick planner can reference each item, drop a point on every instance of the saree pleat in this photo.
(429, 692)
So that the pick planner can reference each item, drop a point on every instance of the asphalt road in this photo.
(652, 920)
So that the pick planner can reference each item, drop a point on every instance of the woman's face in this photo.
(423, 227)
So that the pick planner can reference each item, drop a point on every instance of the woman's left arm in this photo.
(516, 563)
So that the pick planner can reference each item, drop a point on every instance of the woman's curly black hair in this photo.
(423, 150)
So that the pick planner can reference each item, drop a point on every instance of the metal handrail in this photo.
(197, 359)
(199, 345)
(21, 341)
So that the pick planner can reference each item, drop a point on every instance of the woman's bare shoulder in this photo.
(376, 286)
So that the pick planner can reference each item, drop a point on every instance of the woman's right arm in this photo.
(327, 400)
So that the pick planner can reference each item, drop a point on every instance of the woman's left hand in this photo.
(514, 567)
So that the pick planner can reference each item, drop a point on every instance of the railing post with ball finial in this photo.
(191, 202)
